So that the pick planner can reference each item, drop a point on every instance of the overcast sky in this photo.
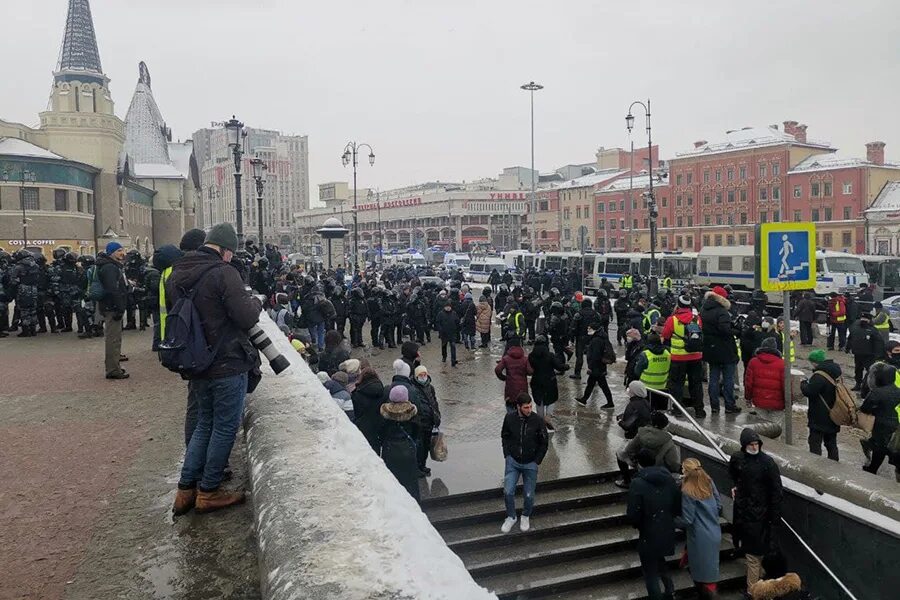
(434, 85)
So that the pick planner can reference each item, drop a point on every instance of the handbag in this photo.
(865, 421)
(438, 447)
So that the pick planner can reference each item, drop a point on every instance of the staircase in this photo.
(579, 545)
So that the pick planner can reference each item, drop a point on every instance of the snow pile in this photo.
(331, 520)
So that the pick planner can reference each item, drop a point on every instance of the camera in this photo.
(261, 342)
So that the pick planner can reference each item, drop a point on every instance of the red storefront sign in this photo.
(391, 204)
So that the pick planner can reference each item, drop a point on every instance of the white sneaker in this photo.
(507, 525)
(524, 523)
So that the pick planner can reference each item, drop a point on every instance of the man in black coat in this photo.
(654, 500)
(866, 344)
(112, 306)
(584, 318)
(525, 441)
(806, 314)
(821, 397)
(719, 348)
(600, 354)
(757, 497)
(447, 325)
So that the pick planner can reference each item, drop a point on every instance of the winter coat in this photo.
(684, 315)
(447, 325)
(654, 501)
(635, 416)
(341, 396)
(415, 393)
(582, 319)
(719, 345)
(115, 289)
(660, 443)
(513, 369)
(633, 350)
(398, 433)
(545, 365)
(367, 399)
(429, 394)
(817, 389)
(787, 587)
(752, 339)
(758, 495)
(805, 311)
(700, 520)
(483, 314)
(864, 340)
(524, 438)
(330, 360)
(882, 402)
(227, 311)
(764, 380)
(599, 349)
(468, 318)
(837, 307)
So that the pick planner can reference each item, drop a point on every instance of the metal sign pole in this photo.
(786, 345)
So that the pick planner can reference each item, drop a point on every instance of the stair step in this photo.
(487, 508)
(430, 504)
(732, 575)
(538, 580)
(582, 518)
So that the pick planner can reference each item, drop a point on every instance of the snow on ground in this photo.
(332, 521)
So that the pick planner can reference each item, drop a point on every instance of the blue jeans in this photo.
(317, 335)
(444, 344)
(191, 414)
(529, 483)
(221, 404)
(726, 373)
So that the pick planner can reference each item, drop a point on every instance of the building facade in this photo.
(286, 190)
(77, 157)
(883, 221)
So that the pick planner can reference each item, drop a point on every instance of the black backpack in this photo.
(693, 337)
(184, 349)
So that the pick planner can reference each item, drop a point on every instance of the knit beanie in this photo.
(419, 370)
(720, 291)
(637, 388)
(192, 239)
(769, 343)
(323, 376)
(399, 393)
(684, 301)
(401, 368)
(350, 366)
(112, 247)
(223, 235)
(409, 350)
(341, 378)
(817, 356)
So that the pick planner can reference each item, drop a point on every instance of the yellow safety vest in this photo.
(667, 283)
(677, 341)
(785, 335)
(650, 319)
(627, 282)
(884, 326)
(164, 276)
(656, 374)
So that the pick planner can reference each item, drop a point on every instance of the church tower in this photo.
(80, 121)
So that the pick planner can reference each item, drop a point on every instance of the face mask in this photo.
(752, 451)
(422, 379)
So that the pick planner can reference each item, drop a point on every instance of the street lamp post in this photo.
(350, 155)
(259, 175)
(651, 200)
(236, 135)
(532, 87)
(30, 177)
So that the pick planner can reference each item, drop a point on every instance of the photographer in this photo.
(227, 311)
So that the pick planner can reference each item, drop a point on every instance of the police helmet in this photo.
(71, 258)
(58, 253)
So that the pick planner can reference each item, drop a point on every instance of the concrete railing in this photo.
(331, 520)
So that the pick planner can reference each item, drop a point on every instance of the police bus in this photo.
(679, 266)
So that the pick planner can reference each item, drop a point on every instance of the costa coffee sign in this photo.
(403, 202)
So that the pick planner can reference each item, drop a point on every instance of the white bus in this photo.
(457, 261)
(516, 259)
(736, 265)
(481, 267)
(680, 266)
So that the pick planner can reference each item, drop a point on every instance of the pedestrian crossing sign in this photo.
(786, 256)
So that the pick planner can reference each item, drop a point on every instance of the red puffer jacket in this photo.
(764, 380)
(514, 369)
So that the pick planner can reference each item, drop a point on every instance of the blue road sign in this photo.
(787, 256)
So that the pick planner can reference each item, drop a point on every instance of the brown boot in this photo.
(184, 501)
(218, 499)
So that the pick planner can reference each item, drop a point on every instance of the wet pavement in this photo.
(88, 469)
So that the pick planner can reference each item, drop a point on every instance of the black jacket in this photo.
(581, 320)
(545, 366)
(719, 345)
(882, 402)
(805, 311)
(758, 494)
(599, 349)
(817, 389)
(227, 311)
(654, 500)
(112, 276)
(367, 397)
(865, 340)
(447, 324)
(524, 438)
(636, 415)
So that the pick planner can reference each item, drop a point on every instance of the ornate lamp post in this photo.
(651, 199)
(532, 87)
(236, 135)
(30, 177)
(350, 156)
(259, 175)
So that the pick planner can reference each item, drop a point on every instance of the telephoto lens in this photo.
(261, 341)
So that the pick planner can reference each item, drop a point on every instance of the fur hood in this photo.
(771, 589)
(716, 298)
(398, 411)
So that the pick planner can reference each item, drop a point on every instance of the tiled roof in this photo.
(79, 48)
(822, 162)
(749, 137)
(590, 180)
